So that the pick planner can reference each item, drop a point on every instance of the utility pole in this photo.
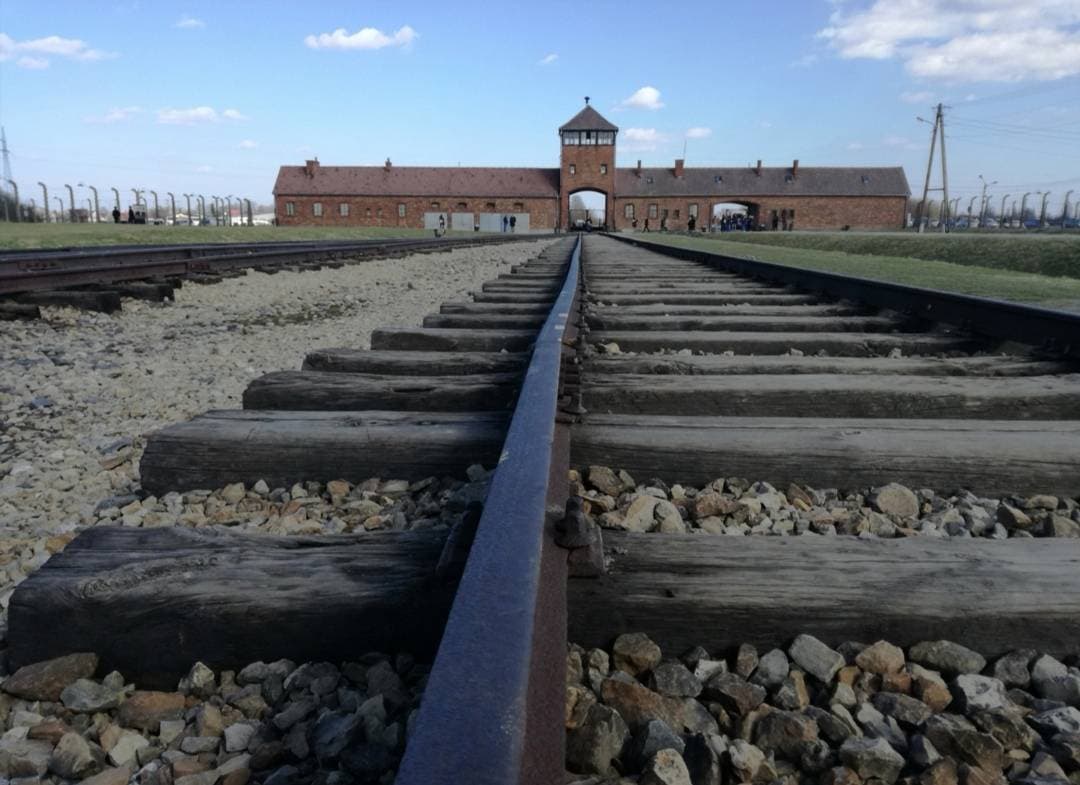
(937, 130)
(983, 203)
(7, 174)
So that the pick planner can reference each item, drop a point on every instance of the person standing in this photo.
(131, 214)
(116, 215)
(513, 222)
(506, 222)
(442, 225)
(690, 223)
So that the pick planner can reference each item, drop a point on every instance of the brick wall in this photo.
(586, 160)
(811, 212)
(383, 210)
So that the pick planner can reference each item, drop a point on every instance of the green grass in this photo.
(13, 235)
(1012, 285)
(1045, 254)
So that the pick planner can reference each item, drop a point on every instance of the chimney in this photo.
(679, 166)
(795, 168)
(387, 165)
(757, 169)
(311, 166)
(638, 170)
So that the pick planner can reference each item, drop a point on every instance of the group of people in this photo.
(734, 222)
(509, 224)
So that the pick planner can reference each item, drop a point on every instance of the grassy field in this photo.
(1057, 255)
(966, 278)
(13, 235)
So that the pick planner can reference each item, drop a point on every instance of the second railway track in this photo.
(617, 361)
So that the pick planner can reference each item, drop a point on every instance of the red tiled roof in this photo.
(772, 181)
(444, 181)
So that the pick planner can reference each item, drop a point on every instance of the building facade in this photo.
(538, 199)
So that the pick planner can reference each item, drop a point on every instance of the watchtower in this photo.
(587, 161)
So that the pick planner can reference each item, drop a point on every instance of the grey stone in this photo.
(1008, 727)
(772, 669)
(922, 752)
(815, 756)
(872, 759)
(200, 681)
(831, 727)
(88, 696)
(653, 736)
(734, 693)
(293, 713)
(24, 757)
(815, 658)
(1065, 689)
(783, 732)
(382, 680)
(703, 757)
(255, 673)
(237, 736)
(1064, 719)
(978, 693)
(948, 657)
(877, 725)
(957, 737)
(193, 745)
(665, 768)
(332, 732)
(746, 659)
(72, 758)
(673, 679)
(635, 653)
(746, 760)
(594, 746)
(126, 747)
(1012, 668)
(170, 729)
(903, 708)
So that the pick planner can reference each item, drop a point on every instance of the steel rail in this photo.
(492, 710)
(1058, 331)
(36, 273)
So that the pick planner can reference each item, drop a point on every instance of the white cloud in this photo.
(115, 115)
(921, 97)
(854, 146)
(644, 98)
(189, 23)
(900, 141)
(641, 139)
(969, 41)
(697, 132)
(364, 38)
(548, 59)
(32, 51)
(248, 144)
(32, 63)
(196, 115)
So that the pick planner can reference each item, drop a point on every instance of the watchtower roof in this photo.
(588, 119)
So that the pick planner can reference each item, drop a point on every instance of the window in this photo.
(789, 178)
(490, 205)
(865, 179)
(648, 180)
(653, 211)
(570, 137)
(573, 169)
(605, 137)
(587, 137)
(676, 213)
(434, 205)
(367, 212)
(290, 208)
(401, 210)
(343, 209)
(691, 210)
(462, 206)
(316, 209)
(519, 206)
(718, 179)
(603, 168)
(628, 212)
(378, 212)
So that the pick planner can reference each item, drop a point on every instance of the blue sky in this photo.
(213, 97)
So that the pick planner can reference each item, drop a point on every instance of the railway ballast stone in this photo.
(934, 723)
(351, 727)
(734, 506)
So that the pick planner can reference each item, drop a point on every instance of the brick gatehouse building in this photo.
(467, 197)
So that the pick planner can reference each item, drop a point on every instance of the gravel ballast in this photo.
(279, 722)
(935, 714)
(735, 506)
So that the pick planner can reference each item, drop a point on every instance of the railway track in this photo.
(574, 374)
(97, 277)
